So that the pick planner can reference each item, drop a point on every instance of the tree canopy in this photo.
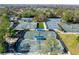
(68, 16)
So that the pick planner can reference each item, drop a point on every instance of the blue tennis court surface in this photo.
(52, 23)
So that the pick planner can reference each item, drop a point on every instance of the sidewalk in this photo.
(67, 32)
(44, 25)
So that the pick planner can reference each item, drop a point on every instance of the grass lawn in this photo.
(41, 25)
(71, 42)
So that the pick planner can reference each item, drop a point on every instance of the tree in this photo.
(2, 48)
(3, 30)
(59, 12)
(40, 18)
(28, 13)
(4, 11)
(68, 16)
(76, 17)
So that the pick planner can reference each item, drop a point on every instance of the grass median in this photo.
(71, 41)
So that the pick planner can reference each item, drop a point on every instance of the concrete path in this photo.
(66, 32)
(44, 25)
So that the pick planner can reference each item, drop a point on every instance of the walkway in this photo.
(44, 25)
(66, 32)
